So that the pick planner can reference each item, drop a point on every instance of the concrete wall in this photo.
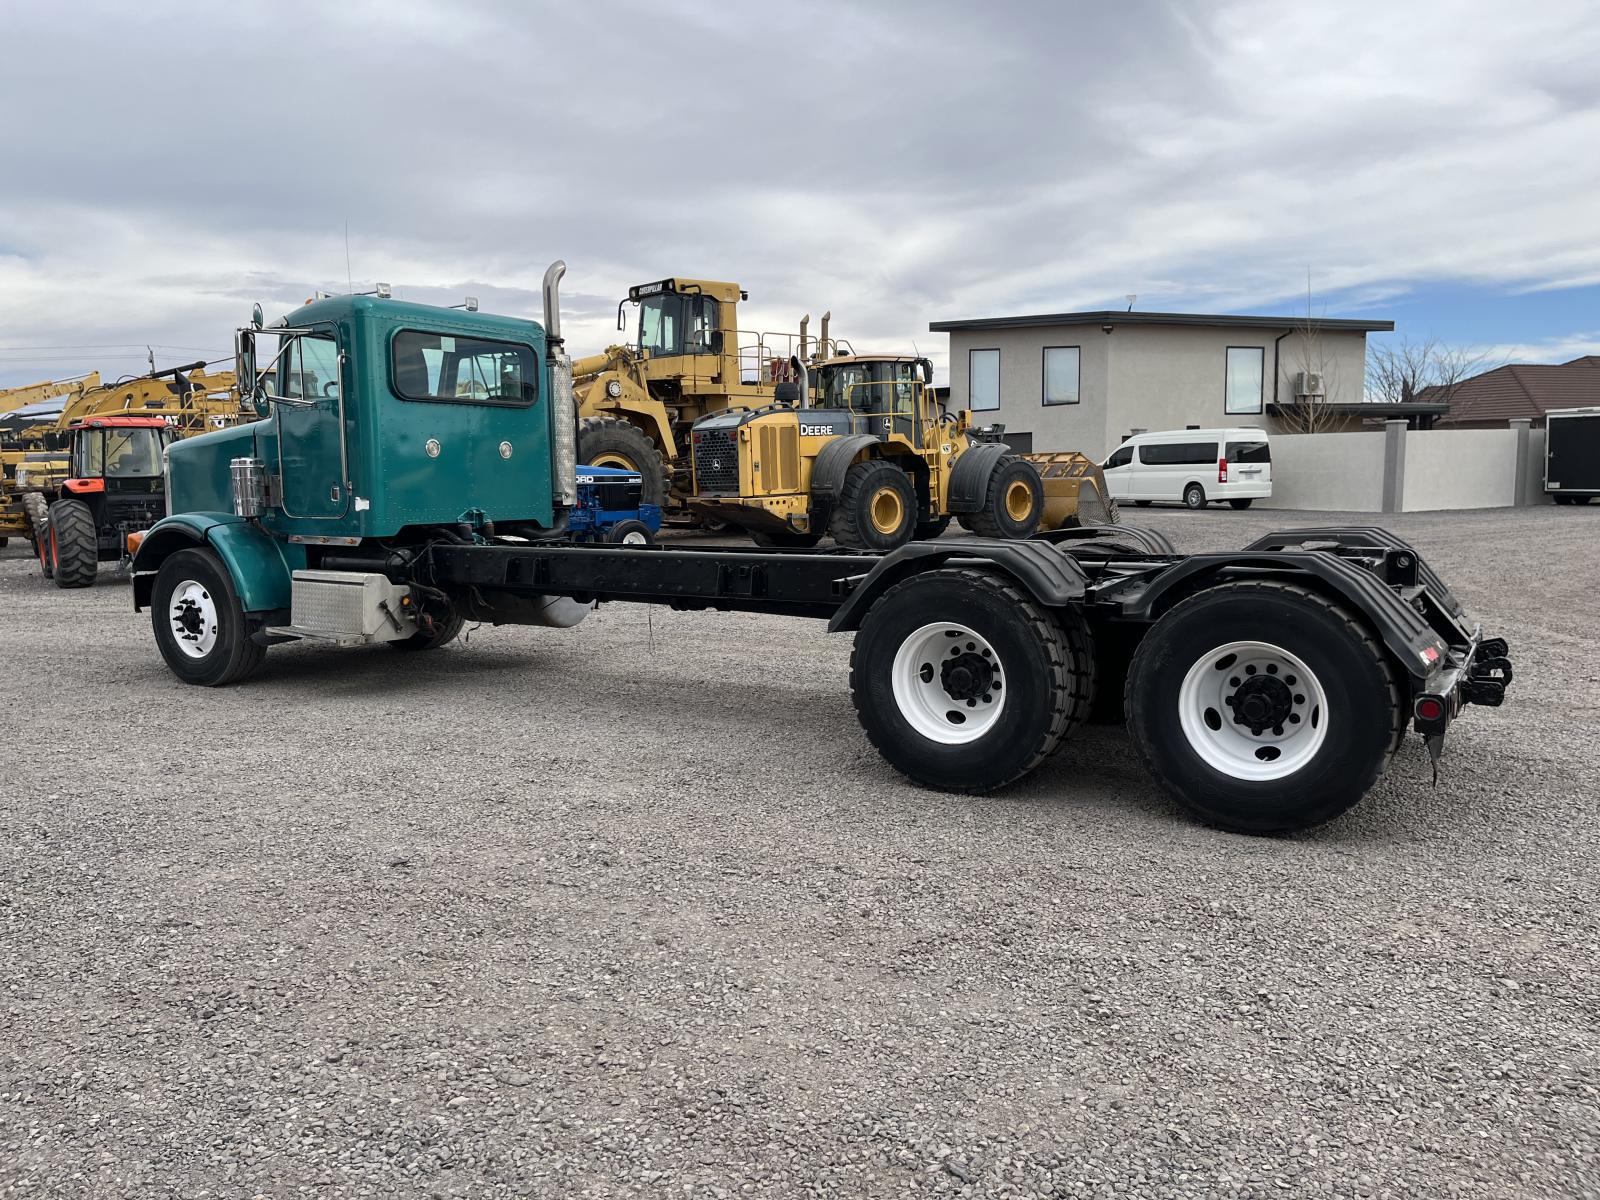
(1459, 468)
(1342, 472)
(1146, 377)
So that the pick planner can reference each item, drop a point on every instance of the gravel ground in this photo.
(634, 909)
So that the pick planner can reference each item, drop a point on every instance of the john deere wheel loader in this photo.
(637, 402)
(874, 464)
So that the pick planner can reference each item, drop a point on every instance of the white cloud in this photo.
(897, 164)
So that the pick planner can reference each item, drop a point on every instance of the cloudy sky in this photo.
(1430, 162)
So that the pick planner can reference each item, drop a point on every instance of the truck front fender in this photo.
(255, 560)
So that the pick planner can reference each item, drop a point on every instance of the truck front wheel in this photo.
(199, 624)
(962, 682)
(1262, 707)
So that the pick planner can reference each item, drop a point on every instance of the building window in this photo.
(1246, 380)
(983, 380)
(1061, 374)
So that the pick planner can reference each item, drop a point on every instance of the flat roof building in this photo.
(1085, 380)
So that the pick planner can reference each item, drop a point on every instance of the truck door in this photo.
(311, 453)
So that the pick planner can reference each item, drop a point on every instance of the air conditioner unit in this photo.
(1310, 384)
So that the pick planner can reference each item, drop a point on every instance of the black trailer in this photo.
(1264, 688)
(1572, 455)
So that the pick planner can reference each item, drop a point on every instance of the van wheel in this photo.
(1144, 503)
(199, 624)
(1262, 707)
(1013, 503)
(1239, 504)
(877, 507)
(1194, 496)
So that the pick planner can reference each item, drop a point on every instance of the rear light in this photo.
(1429, 708)
(1222, 470)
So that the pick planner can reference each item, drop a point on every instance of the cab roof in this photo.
(844, 359)
(403, 312)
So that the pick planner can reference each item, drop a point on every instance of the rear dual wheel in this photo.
(1262, 707)
(964, 683)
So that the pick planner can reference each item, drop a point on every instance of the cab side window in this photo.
(465, 370)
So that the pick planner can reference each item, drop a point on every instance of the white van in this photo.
(1192, 467)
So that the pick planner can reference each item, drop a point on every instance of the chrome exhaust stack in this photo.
(563, 406)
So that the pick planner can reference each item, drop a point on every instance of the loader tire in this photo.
(199, 623)
(1012, 504)
(74, 544)
(607, 442)
(876, 509)
(38, 513)
(1262, 707)
(928, 531)
(788, 540)
(962, 682)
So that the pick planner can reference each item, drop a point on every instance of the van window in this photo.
(1169, 454)
(1249, 452)
(1122, 457)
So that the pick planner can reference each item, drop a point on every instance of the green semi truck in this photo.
(414, 468)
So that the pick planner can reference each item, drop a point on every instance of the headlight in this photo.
(614, 388)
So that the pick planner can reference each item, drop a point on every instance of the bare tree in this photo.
(1311, 409)
(1398, 372)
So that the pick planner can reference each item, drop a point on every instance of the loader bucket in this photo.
(1074, 491)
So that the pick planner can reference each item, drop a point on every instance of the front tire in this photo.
(607, 442)
(963, 683)
(631, 533)
(199, 624)
(1194, 496)
(1012, 504)
(1262, 707)
(877, 507)
(38, 513)
(928, 531)
(74, 544)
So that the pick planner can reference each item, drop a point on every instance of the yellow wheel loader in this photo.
(637, 402)
(875, 463)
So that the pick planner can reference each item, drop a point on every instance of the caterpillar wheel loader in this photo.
(875, 463)
(17, 406)
(637, 402)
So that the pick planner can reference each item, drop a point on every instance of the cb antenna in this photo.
(349, 281)
(1130, 297)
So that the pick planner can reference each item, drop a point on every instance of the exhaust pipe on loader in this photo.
(823, 350)
(564, 409)
(805, 323)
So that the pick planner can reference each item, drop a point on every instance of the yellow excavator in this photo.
(36, 436)
(688, 358)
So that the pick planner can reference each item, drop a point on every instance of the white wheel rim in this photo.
(193, 615)
(634, 538)
(1281, 701)
(949, 683)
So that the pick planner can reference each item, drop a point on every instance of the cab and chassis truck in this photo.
(1265, 688)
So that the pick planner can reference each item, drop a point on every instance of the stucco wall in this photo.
(1145, 377)
(1460, 468)
(1336, 471)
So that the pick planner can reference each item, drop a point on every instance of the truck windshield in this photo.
(673, 323)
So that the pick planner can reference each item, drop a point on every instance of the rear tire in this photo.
(1241, 653)
(74, 544)
(607, 442)
(1239, 504)
(1012, 504)
(33, 504)
(200, 626)
(928, 531)
(1194, 496)
(876, 509)
(442, 634)
(962, 682)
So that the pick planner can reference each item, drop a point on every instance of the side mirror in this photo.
(927, 370)
(244, 369)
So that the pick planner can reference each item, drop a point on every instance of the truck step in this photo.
(319, 635)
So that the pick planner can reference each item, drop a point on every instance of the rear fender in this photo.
(255, 561)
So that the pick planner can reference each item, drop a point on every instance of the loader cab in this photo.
(692, 320)
(892, 393)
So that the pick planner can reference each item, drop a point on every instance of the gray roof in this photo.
(1110, 317)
